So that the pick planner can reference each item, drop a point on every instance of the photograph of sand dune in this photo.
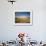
(23, 18)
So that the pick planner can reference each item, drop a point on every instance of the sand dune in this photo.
(22, 20)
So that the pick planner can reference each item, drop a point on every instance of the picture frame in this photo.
(23, 18)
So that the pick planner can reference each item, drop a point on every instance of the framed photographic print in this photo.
(23, 17)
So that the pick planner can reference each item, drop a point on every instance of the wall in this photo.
(9, 31)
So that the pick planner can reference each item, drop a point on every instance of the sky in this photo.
(22, 14)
